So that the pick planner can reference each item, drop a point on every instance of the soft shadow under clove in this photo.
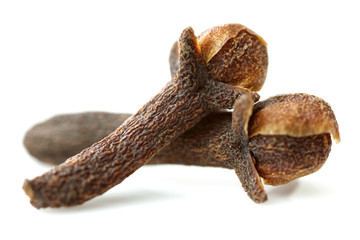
(299, 189)
(280, 193)
(113, 200)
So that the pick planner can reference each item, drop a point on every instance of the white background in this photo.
(72, 56)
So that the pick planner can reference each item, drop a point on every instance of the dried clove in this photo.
(184, 101)
(289, 137)
(217, 46)
(63, 136)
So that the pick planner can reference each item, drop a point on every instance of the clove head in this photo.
(235, 55)
(290, 136)
(232, 53)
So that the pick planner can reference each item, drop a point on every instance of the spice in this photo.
(289, 137)
(217, 46)
(184, 101)
(281, 154)
(63, 136)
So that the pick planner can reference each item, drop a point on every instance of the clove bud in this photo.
(289, 137)
(233, 54)
(184, 101)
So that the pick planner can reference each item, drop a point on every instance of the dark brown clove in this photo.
(289, 137)
(63, 136)
(188, 98)
(301, 125)
(281, 154)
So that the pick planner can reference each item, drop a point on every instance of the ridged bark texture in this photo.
(181, 104)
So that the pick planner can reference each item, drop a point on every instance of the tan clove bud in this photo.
(233, 54)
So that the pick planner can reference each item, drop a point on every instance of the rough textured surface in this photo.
(276, 116)
(251, 58)
(228, 47)
(62, 136)
(239, 151)
(281, 159)
(201, 146)
(216, 141)
(181, 104)
(212, 40)
(197, 146)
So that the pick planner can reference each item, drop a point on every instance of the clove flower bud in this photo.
(289, 137)
(233, 54)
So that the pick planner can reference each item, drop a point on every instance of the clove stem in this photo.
(179, 106)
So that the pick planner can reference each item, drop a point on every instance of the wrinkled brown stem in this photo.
(212, 142)
(178, 107)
